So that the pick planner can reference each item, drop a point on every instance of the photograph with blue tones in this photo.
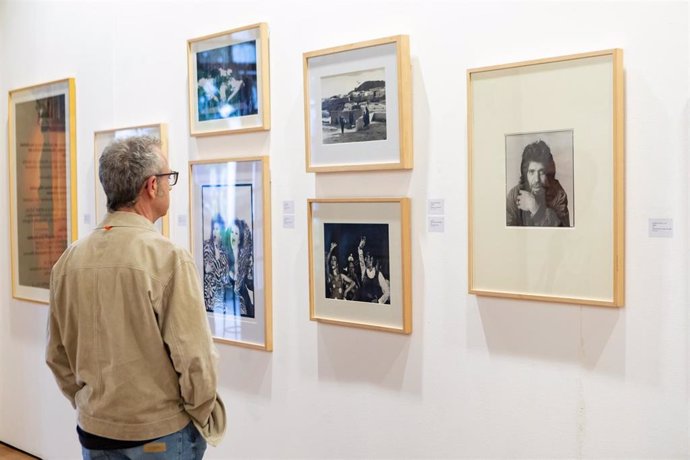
(227, 81)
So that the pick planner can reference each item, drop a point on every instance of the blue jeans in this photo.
(186, 444)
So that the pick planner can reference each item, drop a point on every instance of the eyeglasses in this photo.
(172, 177)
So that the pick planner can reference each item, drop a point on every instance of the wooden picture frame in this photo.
(101, 139)
(360, 271)
(230, 237)
(229, 82)
(358, 106)
(43, 184)
(546, 179)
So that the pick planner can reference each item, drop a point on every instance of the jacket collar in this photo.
(126, 219)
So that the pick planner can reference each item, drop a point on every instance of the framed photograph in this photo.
(228, 82)
(43, 186)
(104, 138)
(231, 243)
(546, 186)
(359, 263)
(358, 106)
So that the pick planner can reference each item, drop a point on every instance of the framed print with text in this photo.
(359, 263)
(546, 179)
(43, 185)
(103, 138)
(231, 243)
(358, 106)
(229, 82)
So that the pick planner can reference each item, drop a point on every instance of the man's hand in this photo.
(526, 202)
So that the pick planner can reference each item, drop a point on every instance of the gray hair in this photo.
(125, 165)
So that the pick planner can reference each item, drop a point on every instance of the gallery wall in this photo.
(478, 377)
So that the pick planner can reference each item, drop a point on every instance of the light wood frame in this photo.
(38, 246)
(102, 139)
(584, 263)
(261, 121)
(393, 152)
(252, 332)
(349, 219)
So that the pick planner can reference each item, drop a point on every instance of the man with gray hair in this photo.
(128, 339)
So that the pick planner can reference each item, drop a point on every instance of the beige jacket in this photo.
(128, 339)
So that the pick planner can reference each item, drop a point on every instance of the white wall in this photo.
(478, 377)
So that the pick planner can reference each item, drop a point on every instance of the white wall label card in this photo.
(288, 207)
(437, 224)
(435, 207)
(661, 228)
(87, 218)
(182, 220)
(288, 221)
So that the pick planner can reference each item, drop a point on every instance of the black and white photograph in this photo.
(358, 106)
(357, 262)
(539, 179)
(228, 258)
(541, 132)
(353, 107)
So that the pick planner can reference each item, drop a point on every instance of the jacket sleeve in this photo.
(512, 211)
(546, 217)
(56, 355)
(560, 207)
(185, 331)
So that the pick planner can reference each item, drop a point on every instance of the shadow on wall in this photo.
(588, 336)
(379, 358)
(257, 370)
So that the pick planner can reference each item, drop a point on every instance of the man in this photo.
(128, 339)
(539, 199)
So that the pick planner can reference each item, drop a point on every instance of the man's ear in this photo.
(151, 186)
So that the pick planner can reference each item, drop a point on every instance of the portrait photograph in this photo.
(358, 106)
(230, 241)
(353, 107)
(546, 179)
(359, 263)
(539, 179)
(356, 263)
(229, 81)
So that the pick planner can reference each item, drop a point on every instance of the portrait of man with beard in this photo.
(538, 200)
